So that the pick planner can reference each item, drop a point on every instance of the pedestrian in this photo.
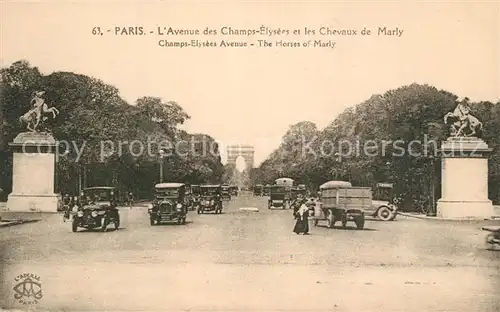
(302, 223)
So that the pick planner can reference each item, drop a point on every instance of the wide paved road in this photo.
(251, 261)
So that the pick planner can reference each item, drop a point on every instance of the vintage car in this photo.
(98, 209)
(226, 192)
(210, 199)
(296, 190)
(340, 201)
(279, 196)
(383, 208)
(234, 190)
(258, 190)
(168, 204)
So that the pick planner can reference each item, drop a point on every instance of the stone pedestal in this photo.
(464, 182)
(33, 176)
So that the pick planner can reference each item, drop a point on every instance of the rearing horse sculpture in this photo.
(33, 117)
(464, 121)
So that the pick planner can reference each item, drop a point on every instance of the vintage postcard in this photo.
(250, 156)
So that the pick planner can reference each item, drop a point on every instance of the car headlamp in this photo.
(212, 202)
(79, 213)
(179, 206)
(94, 214)
(150, 206)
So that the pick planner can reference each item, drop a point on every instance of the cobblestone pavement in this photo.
(251, 261)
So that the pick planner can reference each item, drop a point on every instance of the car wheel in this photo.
(184, 220)
(152, 221)
(104, 225)
(179, 220)
(384, 213)
(74, 225)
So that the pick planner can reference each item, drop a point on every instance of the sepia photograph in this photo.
(290, 156)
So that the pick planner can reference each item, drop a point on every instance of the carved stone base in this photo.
(464, 185)
(465, 210)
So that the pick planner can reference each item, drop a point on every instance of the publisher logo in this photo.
(28, 288)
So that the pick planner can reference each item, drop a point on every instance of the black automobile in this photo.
(278, 197)
(98, 209)
(168, 204)
(210, 199)
(234, 190)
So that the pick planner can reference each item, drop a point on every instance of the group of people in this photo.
(301, 210)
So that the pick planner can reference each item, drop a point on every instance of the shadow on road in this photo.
(172, 223)
(347, 228)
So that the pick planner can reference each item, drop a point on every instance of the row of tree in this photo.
(407, 114)
(96, 120)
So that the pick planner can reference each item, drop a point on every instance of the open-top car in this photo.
(226, 192)
(168, 204)
(210, 199)
(98, 209)
(278, 197)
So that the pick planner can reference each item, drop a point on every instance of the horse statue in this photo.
(33, 117)
(464, 124)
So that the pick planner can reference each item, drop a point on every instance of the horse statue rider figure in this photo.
(464, 124)
(33, 117)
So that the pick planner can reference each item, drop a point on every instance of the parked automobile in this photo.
(383, 207)
(168, 204)
(266, 190)
(340, 201)
(98, 209)
(279, 196)
(210, 199)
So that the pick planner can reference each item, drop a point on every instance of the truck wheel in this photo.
(384, 213)
(360, 222)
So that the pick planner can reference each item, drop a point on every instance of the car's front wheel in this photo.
(152, 221)
(384, 213)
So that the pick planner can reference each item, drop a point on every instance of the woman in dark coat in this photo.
(302, 224)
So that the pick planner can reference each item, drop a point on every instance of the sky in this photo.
(252, 95)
